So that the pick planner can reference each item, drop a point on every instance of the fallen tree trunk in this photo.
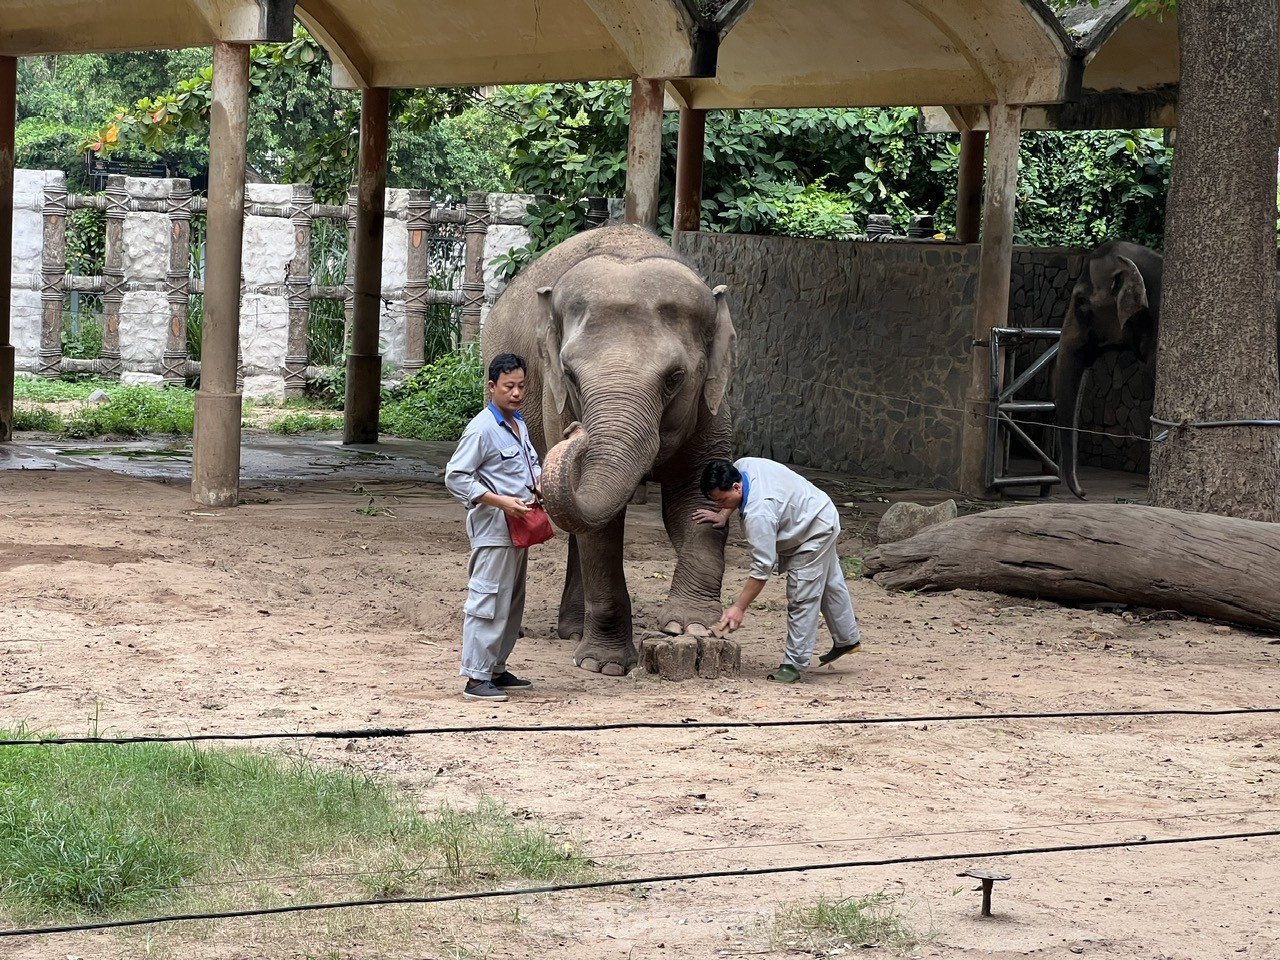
(1195, 563)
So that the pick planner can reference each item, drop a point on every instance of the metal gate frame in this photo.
(1003, 405)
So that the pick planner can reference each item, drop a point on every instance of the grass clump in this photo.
(868, 921)
(295, 423)
(127, 411)
(438, 401)
(121, 831)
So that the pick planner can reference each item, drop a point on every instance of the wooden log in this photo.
(1195, 563)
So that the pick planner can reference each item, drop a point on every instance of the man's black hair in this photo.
(719, 475)
(505, 363)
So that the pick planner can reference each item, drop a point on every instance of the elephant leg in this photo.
(606, 646)
(572, 600)
(693, 603)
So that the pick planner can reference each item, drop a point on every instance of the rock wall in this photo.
(853, 356)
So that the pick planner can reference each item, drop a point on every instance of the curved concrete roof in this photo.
(772, 53)
(803, 53)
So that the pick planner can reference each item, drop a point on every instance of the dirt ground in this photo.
(305, 609)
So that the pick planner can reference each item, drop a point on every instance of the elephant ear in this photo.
(1133, 308)
(720, 359)
(549, 342)
(1129, 290)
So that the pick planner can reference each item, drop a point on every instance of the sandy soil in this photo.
(124, 601)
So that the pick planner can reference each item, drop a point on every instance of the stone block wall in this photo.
(853, 356)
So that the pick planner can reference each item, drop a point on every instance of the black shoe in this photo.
(484, 690)
(506, 680)
(835, 653)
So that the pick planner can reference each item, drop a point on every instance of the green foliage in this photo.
(109, 830)
(438, 401)
(1079, 189)
(127, 412)
(38, 419)
(329, 387)
(82, 344)
(809, 168)
(295, 423)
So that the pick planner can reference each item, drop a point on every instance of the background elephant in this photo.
(626, 342)
(1115, 305)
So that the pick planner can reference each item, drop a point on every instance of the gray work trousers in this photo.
(494, 610)
(818, 584)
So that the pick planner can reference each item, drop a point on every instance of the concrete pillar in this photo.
(644, 153)
(364, 363)
(992, 308)
(689, 161)
(111, 365)
(215, 462)
(8, 124)
(969, 189)
(53, 271)
(417, 280)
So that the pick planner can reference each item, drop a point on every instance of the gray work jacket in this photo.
(491, 458)
(786, 519)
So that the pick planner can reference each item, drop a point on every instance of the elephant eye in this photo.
(674, 379)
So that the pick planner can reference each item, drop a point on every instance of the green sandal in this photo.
(835, 653)
(784, 674)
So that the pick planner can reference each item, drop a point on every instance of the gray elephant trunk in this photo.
(1068, 393)
(588, 479)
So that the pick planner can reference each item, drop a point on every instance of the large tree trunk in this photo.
(1210, 566)
(1217, 356)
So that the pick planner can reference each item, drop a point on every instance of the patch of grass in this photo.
(295, 423)
(869, 921)
(37, 418)
(118, 831)
(127, 411)
(135, 412)
(438, 401)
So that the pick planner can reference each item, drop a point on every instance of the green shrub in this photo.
(295, 423)
(135, 412)
(37, 418)
(438, 401)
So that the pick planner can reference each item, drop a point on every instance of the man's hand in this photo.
(514, 506)
(732, 619)
(717, 518)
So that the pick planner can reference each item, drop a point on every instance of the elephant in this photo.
(629, 354)
(1115, 305)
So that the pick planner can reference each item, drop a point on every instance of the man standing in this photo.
(495, 472)
(791, 523)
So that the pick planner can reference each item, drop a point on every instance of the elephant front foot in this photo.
(692, 617)
(610, 659)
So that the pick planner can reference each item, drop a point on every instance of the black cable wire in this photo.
(689, 724)
(632, 881)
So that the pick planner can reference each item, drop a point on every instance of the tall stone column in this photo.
(995, 267)
(299, 287)
(178, 283)
(53, 271)
(473, 232)
(215, 467)
(416, 283)
(644, 153)
(364, 364)
(8, 126)
(113, 277)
